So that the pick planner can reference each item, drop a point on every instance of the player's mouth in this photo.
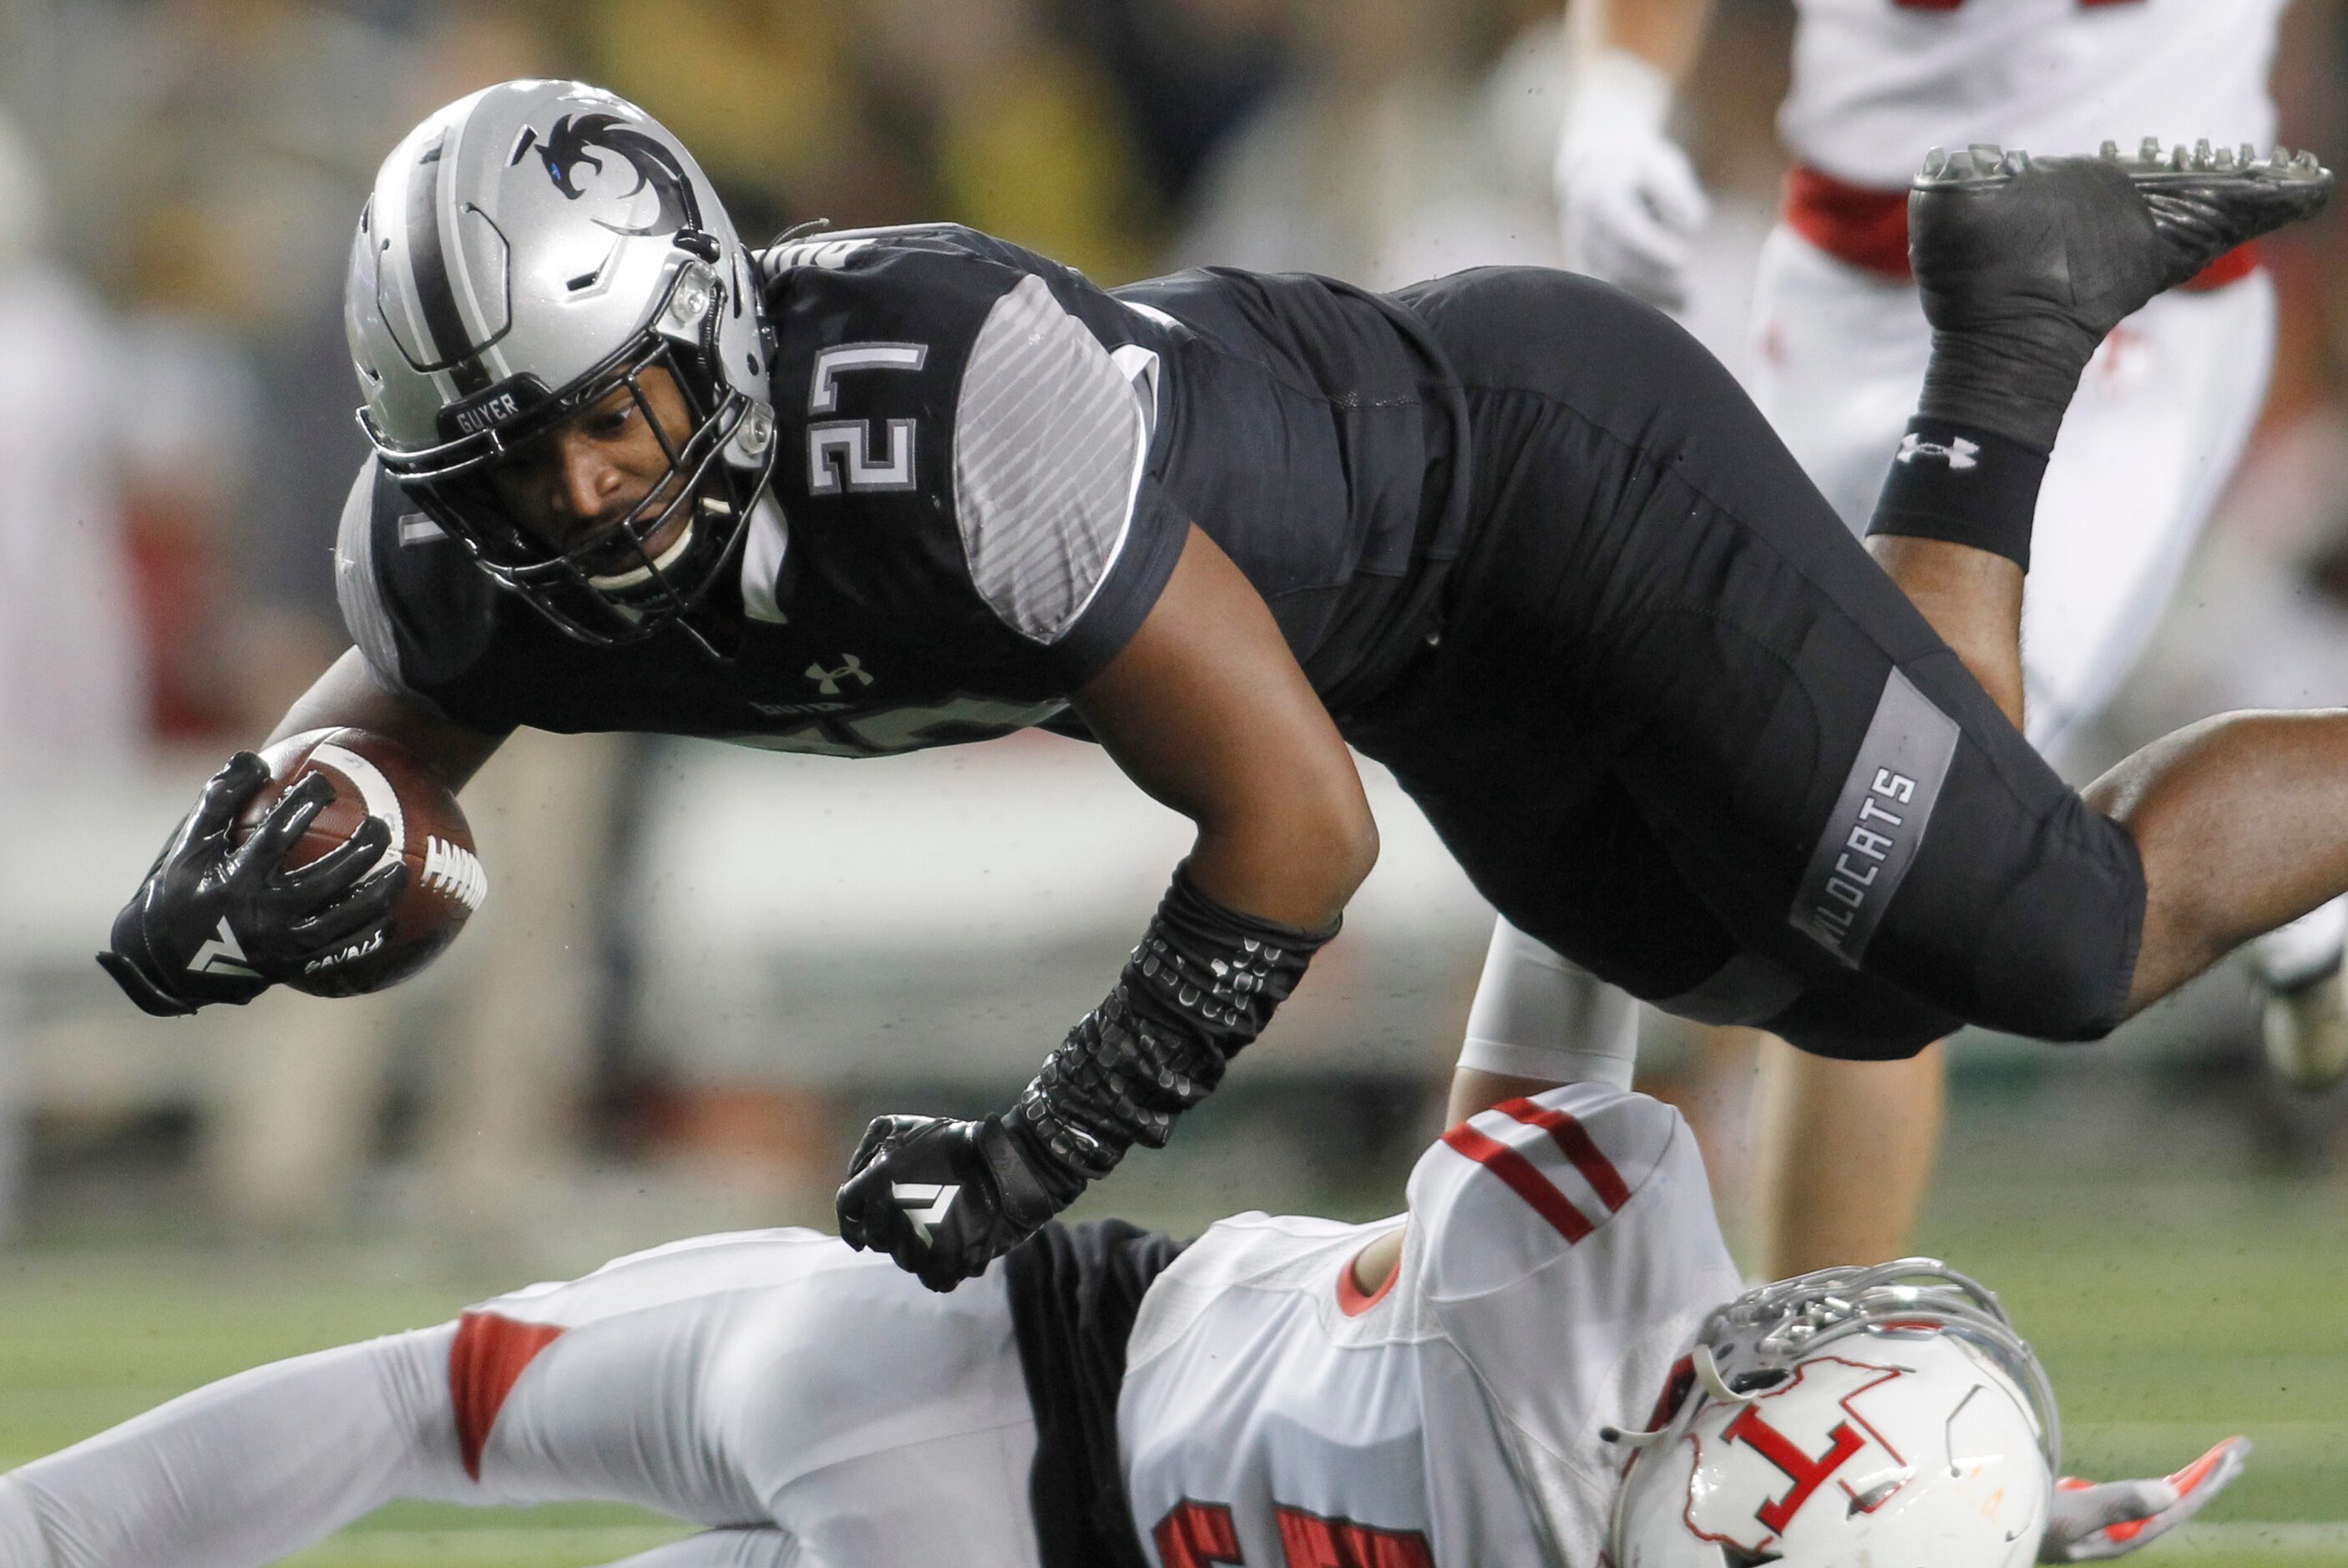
(664, 547)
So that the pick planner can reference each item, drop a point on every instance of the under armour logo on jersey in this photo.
(221, 954)
(1958, 454)
(909, 1195)
(828, 681)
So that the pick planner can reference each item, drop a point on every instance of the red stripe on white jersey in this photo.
(490, 1353)
(1523, 1178)
(1579, 1146)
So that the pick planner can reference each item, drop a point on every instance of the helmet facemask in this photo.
(607, 585)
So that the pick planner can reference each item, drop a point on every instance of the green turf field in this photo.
(2173, 1314)
(2170, 1316)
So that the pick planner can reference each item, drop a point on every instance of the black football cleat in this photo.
(2024, 264)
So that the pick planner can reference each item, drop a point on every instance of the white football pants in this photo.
(818, 1405)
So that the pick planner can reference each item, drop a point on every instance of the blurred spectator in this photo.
(1189, 72)
(69, 677)
(1376, 160)
(504, 1032)
(68, 641)
(1025, 134)
(769, 96)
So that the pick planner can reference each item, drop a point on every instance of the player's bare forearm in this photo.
(1207, 710)
(349, 694)
(1667, 33)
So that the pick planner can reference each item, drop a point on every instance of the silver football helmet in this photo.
(1847, 1418)
(528, 251)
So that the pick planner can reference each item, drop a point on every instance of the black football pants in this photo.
(1680, 727)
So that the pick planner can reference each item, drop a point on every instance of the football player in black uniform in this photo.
(1509, 533)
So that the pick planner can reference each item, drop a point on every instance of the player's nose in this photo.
(589, 486)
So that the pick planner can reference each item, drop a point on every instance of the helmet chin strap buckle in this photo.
(1708, 1378)
(1622, 1439)
(696, 241)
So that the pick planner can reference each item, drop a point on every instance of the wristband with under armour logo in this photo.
(1964, 485)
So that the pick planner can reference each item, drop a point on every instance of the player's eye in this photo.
(611, 421)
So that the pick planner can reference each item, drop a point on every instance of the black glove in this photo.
(221, 922)
(945, 1198)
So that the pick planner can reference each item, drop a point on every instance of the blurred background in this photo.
(700, 970)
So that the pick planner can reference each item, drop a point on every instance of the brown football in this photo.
(374, 777)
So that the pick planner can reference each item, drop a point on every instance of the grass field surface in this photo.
(2170, 1316)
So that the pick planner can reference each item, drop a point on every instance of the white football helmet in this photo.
(527, 251)
(1878, 1417)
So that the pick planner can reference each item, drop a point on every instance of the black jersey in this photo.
(987, 468)
(1074, 1291)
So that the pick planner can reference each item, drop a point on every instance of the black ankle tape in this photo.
(1962, 485)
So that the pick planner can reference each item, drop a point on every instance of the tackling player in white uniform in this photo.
(2161, 419)
(1468, 1383)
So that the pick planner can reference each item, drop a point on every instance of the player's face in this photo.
(588, 473)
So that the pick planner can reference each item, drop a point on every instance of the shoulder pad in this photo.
(419, 608)
(1512, 1190)
(832, 249)
(357, 588)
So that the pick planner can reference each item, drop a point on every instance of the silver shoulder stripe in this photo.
(357, 589)
(1049, 435)
(762, 561)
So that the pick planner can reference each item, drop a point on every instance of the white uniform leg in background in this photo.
(512, 1073)
(769, 1379)
(2160, 419)
(510, 1012)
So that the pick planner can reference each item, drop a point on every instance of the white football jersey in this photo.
(1877, 83)
(1561, 1254)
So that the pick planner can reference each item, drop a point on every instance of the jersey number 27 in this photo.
(839, 452)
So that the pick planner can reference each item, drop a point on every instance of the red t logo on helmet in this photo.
(1806, 1473)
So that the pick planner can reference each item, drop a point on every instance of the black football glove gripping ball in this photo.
(944, 1197)
(217, 921)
